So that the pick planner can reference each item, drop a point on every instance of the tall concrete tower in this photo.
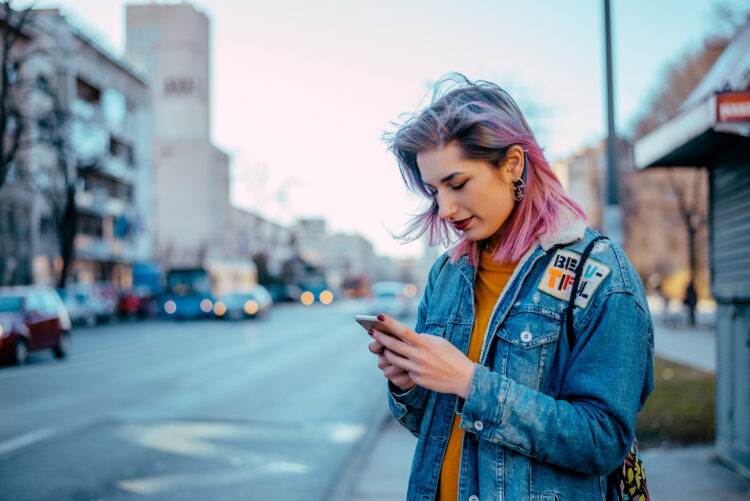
(171, 44)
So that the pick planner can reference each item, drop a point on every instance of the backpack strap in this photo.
(573, 293)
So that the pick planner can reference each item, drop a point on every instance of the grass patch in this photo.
(680, 410)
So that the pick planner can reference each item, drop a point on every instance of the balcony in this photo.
(99, 202)
(86, 110)
(101, 249)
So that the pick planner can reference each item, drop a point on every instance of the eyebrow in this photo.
(448, 177)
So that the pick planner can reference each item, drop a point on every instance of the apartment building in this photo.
(100, 142)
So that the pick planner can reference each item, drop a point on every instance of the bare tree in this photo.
(686, 189)
(60, 190)
(12, 26)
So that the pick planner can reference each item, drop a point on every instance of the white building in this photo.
(191, 175)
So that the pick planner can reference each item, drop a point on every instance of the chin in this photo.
(473, 235)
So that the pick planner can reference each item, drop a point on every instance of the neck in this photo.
(491, 243)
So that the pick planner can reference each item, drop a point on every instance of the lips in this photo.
(462, 224)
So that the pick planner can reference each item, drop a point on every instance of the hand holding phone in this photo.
(370, 322)
(399, 377)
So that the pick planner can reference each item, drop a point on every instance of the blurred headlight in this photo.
(220, 309)
(326, 297)
(307, 298)
(207, 305)
(170, 307)
(251, 307)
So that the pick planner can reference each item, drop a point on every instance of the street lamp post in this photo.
(612, 215)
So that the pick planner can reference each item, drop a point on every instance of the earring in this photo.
(519, 188)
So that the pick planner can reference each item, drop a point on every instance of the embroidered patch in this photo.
(557, 279)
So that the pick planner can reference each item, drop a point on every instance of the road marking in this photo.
(26, 439)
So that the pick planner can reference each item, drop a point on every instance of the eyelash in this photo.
(458, 187)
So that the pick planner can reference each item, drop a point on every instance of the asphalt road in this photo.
(203, 410)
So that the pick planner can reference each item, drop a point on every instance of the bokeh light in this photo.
(170, 307)
(307, 298)
(207, 305)
(326, 297)
(220, 309)
(251, 307)
(410, 290)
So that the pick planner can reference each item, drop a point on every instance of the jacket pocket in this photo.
(527, 340)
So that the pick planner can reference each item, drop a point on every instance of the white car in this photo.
(390, 298)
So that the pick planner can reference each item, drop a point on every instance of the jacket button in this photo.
(526, 336)
(478, 425)
(473, 498)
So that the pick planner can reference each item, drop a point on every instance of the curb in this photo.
(347, 475)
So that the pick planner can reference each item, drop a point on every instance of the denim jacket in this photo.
(542, 421)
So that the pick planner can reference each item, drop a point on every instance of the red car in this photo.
(32, 318)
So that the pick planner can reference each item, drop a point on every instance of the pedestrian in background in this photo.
(504, 405)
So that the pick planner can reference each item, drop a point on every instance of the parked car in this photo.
(32, 318)
(284, 293)
(243, 304)
(389, 298)
(127, 303)
(98, 298)
(78, 311)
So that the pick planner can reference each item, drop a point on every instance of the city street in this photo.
(254, 409)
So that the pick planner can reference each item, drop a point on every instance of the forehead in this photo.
(438, 163)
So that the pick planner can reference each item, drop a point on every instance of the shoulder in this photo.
(608, 259)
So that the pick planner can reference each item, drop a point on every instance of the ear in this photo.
(513, 165)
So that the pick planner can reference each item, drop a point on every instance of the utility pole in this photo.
(612, 214)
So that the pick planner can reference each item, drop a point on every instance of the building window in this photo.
(44, 125)
(121, 150)
(178, 86)
(42, 84)
(87, 92)
(114, 107)
(90, 225)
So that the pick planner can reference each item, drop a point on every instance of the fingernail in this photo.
(381, 317)
(370, 332)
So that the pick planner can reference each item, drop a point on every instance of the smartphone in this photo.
(372, 322)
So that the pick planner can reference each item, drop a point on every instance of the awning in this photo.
(695, 136)
(711, 120)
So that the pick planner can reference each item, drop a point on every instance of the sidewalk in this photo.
(382, 472)
(691, 346)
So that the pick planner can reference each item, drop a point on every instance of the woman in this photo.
(504, 406)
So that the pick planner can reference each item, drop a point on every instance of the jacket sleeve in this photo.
(408, 407)
(591, 425)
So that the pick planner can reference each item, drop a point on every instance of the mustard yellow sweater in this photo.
(491, 279)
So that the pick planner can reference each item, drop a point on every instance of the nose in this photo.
(446, 206)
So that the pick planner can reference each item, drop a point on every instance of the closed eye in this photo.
(433, 192)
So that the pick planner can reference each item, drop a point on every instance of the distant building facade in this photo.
(104, 140)
(251, 235)
(170, 42)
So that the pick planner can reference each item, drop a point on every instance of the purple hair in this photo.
(485, 122)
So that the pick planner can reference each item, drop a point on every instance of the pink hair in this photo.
(485, 121)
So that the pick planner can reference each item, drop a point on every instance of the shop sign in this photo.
(733, 107)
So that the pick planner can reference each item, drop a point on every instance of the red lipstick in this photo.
(462, 224)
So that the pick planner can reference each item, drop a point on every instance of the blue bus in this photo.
(192, 292)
